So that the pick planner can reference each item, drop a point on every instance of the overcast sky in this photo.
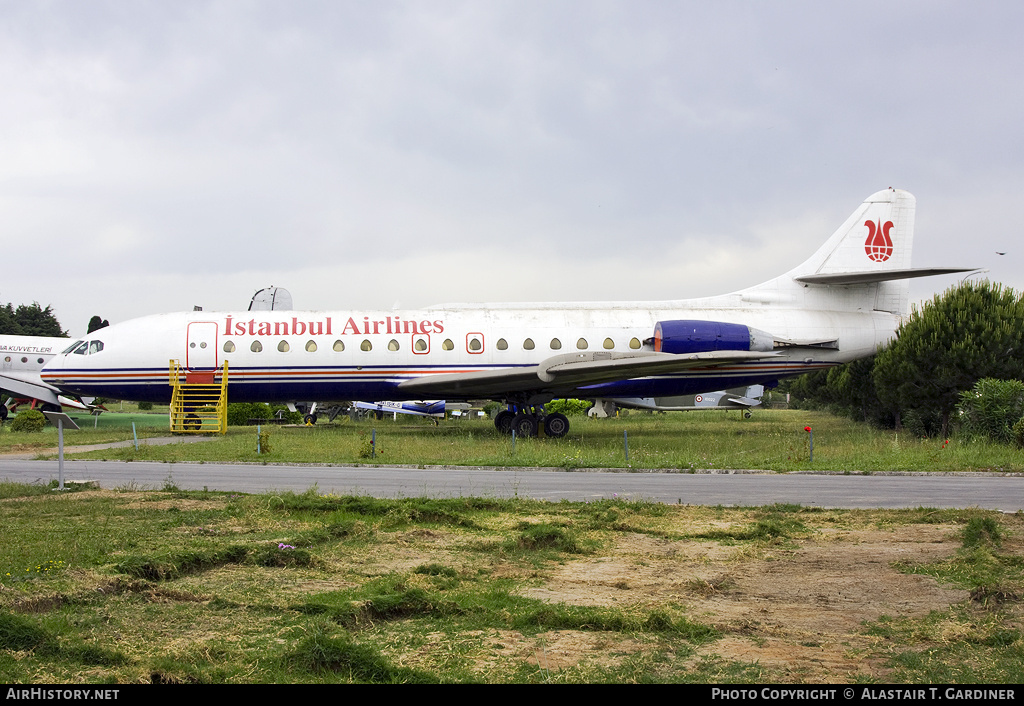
(160, 155)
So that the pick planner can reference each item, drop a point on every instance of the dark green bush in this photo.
(239, 413)
(567, 407)
(31, 420)
(991, 409)
(1018, 433)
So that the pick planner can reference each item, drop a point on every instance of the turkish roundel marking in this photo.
(878, 246)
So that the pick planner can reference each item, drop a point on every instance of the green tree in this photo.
(96, 323)
(29, 320)
(972, 331)
(846, 389)
(8, 324)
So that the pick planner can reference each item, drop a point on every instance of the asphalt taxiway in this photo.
(733, 488)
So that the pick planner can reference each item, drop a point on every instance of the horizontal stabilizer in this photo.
(880, 275)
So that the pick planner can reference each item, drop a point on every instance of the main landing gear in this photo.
(527, 421)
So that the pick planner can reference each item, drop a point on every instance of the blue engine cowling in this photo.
(701, 336)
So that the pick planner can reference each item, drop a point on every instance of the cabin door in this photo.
(201, 352)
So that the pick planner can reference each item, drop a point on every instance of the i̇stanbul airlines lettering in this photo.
(323, 327)
(840, 304)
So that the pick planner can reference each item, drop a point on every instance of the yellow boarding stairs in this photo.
(199, 403)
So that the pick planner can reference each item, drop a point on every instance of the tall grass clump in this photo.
(324, 651)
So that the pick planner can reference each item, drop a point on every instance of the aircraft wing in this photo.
(571, 370)
(29, 384)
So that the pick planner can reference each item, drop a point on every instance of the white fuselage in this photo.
(288, 355)
(29, 353)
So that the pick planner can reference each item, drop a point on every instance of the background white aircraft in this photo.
(418, 408)
(21, 359)
(744, 398)
(841, 304)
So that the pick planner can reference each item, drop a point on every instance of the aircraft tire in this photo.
(525, 425)
(556, 425)
(746, 415)
(192, 421)
(503, 421)
(309, 419)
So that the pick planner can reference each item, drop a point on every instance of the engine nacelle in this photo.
(701, 336)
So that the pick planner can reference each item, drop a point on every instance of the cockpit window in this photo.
(72, 347)
(95, 347)
(82, 349)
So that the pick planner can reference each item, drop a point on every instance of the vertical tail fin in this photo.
(865, 265)
(869, 252)
(878, 237)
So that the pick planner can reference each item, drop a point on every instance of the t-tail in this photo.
(867, 258)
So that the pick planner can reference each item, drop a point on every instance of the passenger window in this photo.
(528, 344)
(634, 343)
(283, 346)
(392, 345)
(609, 344)
(448, 345)
(24, 359)
(229, 347)
(555, 344)
(39, 360)
(366, 345)
(475, 343)
(421, 345)
(502, 344)
(311, 346)
(256, 347)
(582, 344)
(339, 346)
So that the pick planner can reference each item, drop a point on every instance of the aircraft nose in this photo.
(55, 363)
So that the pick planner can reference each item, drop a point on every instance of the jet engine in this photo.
(688, 336)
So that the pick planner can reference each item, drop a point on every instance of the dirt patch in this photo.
(142, 503)
(798, 606)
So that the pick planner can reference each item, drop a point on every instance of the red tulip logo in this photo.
(878, 246)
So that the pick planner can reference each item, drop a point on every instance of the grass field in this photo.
(120, 586)
(771, 440)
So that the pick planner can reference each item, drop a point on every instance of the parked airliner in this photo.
(21, 359)
(841, 304)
